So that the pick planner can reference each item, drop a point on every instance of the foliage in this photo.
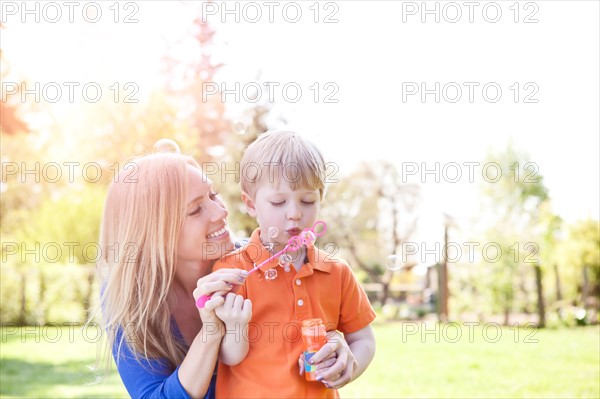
(513, 196)
(12, 121)
(370, 214)
(581, 247)
(46, 293)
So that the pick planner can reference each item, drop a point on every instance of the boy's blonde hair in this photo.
(277, 155)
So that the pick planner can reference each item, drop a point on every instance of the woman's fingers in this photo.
(325, 352)
(232, 276)
(301, 363)
(213, 303)
(326, 363)
(335, 369)
(339, 380)
(209, 288)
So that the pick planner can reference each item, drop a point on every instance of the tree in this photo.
(10, 121)
(370, 216)
(579, 258)
(513, 196)
(39, 211)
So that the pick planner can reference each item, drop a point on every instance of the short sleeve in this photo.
(355, 312)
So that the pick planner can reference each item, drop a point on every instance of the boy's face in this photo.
(277, 205)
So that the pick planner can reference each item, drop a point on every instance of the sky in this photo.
(526, 72)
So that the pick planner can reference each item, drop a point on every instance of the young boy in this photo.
(282, 179)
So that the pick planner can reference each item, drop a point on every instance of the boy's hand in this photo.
(235, 312)
(216, 285)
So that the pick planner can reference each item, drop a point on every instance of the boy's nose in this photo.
(293, 212)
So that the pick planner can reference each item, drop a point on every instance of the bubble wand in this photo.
(306, 237)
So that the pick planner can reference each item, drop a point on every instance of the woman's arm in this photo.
(153, 378)
(197, 368)
(145, 378)
(362, 346)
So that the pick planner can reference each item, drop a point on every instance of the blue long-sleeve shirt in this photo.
(151, 378)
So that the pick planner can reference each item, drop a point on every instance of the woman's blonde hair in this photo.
(143, 215)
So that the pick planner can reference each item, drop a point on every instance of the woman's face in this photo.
(204, 236)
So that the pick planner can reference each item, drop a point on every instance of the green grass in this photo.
(523, 363)
(50, 362)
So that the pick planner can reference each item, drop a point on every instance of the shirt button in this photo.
(300, 302)
(298, 282)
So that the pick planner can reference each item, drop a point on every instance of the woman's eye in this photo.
(197, 211)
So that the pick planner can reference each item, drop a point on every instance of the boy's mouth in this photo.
(294, 231)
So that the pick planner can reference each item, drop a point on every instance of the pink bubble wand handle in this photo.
(293, 244)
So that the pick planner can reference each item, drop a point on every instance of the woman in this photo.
(162, 230)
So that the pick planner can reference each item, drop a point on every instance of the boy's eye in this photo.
(212, 195)
(308, 202)
(277, 203)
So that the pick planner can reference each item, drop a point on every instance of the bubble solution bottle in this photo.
(313, 335)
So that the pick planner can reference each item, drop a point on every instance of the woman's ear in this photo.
(249, 203)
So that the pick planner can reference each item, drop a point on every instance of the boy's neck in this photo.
(299, 256)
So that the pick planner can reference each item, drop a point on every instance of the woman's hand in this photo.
(216, 285)
(334, 362)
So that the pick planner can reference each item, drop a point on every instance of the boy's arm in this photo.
(356, 315)
(235, 313)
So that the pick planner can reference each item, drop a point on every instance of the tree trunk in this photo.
(585, 287)
(42, 302)
(540, 296)
(23, 312)
(506, 315)
(442, 294)
(558, 287)
(386, 279)
(87, 303)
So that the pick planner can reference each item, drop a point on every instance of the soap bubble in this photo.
(273, 232)
(166, 145)
(239, 127)
(319, 227)
(285, 260)
(309, 237)
(295, 243)
(270, 274)
(393, 262)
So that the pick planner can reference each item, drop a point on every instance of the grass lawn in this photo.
(412, 361)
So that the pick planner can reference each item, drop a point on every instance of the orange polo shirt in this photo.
(324, 287)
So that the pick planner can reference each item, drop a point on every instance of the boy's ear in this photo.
(249, 203)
